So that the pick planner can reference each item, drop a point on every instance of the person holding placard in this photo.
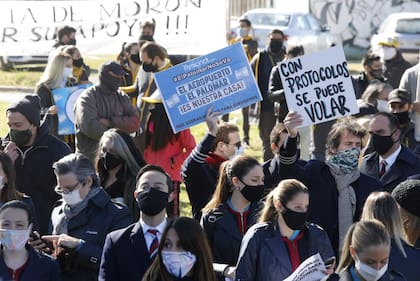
(337, 188)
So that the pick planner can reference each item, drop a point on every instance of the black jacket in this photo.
(394, 69)
(407, 266)
(35, 176)
(39, 267)
(223, 233)
(100, 217)
(405, 165)
(264, 255)
(323, 193)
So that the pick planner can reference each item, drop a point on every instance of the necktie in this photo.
(155, 243)
(382, 168)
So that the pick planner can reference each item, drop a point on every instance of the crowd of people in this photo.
(103, 204)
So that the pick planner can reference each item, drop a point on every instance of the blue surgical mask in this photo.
(178, 264)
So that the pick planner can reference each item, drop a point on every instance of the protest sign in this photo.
(222, 79)
(190, 27)
(309, 270)
(64, 99)
(318, 86)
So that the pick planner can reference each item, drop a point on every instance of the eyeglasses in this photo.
(237, 144)
(67, 189)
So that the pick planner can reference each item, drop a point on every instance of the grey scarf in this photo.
(346, 198)
(61, 224)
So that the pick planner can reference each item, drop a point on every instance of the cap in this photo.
(156, 97)
(389, 42)
(407, 194)
(112, 66)
(29, 106)
(400, 96)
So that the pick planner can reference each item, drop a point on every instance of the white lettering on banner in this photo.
(179, 24)
(318, 86)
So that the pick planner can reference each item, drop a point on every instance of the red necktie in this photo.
(383, 168)
(155, 243)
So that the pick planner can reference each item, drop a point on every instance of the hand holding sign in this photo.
(212, 120)
(318, 86)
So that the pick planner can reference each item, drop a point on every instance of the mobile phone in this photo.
(329, 262)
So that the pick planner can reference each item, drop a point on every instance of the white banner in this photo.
(190, 27)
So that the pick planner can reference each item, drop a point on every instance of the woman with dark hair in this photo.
(18, 260)
(118, 162)
(8, 190)
(81, 71)
(183, 254)
(166, 149)
(273, 248)
(233, 209)
(403, 257)
(130, 61)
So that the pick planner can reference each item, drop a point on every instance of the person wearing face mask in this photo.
(399, 104)
(365, 254)
(282, 239)
(102, 107)
(57, 74)
(118, 162)
(390, 162)
(200, 169)
(338, 189)
(395, 64)
(374, 99)
(233, 209)
(81, 71)
(166, 149)
(8, 190)
(130, 61)
(33, 151)
(372, 71)
(184, 256)
(18, 260)
(66, 35)
(81, 219)
(128, 252)
(262, 64)
(154, 59)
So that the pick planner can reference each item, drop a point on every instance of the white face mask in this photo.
(178, 264)
(72, 198)
(369, 273)
(238, 151)
(382, 105)
(13, 239)
(388, 53)
(67, 72)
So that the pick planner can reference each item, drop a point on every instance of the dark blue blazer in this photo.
(125, 256)
(407, 266)
(405, 165)
(40, 267)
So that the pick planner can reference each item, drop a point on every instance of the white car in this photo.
(405, 28)
(299, 28)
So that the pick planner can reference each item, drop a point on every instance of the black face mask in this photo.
(252, 193)
(403, 117)
(276, 45)
(20, 138)
(377, 73)
(78, 62)
(110, 81)
(381, 144)
(110, 161)
(135, 58)
(151, 202)
(294, 220)
(72, 42)
(149, 67)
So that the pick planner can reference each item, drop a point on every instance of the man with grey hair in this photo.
(82, 219)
